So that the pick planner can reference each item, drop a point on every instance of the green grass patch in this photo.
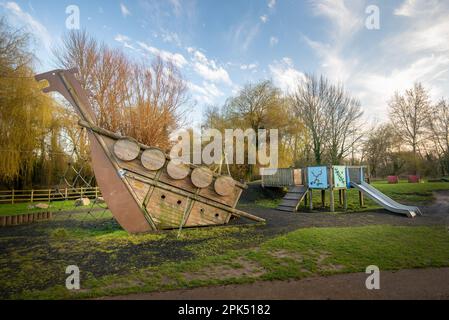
(299, 254)
(20, 208)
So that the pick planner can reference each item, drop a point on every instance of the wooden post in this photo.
(340, 196)
(32, 195)
(311, 199)
(81, 192)
(49, 194)
(66, 195)
(331, 199)
(361, 200)
(345, 200)
(305, 199)
(96, 192)
(323, 198)
(12, 197)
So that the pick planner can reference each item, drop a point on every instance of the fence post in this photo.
(66, 193)
(96, 192)
(12, 197)
(32, 195)
(81, 192)
(49, 194)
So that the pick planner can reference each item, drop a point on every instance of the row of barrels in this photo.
(154, 159)
(24, 218)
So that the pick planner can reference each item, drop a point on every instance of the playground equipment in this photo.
(333, 178)
(145, 189)
(356, 180)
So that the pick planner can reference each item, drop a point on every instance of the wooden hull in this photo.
(170, 203)
(143, 199)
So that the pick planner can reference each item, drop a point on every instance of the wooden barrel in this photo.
(153, 159)
(224, 186)
(126, 149)
(177, 171)
(201, 177)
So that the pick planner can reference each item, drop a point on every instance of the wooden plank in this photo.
(292, 203)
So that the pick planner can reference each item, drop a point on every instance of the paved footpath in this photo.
(404, 284)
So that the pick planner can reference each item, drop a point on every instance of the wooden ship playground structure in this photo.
(144, 189)
(301, 183)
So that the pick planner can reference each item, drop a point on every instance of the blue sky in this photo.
(222, 45)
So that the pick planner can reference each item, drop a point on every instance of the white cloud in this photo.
(170, 37)
(264, 18)
(345, 20)
(251, 66)
(285, 76)
(176, 58)
(273, 41)
(125, 40)
(271, 4)
(125, 11)
(29, 22)
(243, 34)
(207, 93)
(411, 8)
(208, 68)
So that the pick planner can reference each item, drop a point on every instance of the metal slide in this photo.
(386, 202)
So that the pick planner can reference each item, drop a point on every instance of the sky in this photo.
(220, 46)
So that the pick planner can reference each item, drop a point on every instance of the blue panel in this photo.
(317, 177)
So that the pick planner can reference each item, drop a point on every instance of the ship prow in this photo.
(145, 189)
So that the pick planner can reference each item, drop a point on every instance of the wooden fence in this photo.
(47, 195)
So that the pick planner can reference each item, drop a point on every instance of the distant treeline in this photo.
(319, 123)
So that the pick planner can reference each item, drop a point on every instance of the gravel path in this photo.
(404, 284)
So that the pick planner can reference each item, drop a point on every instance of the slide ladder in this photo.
(293, 198)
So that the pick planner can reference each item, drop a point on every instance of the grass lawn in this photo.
(33, 257)
(19, 208)
(215, 256)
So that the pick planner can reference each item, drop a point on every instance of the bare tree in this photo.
(409, 114)
(344, 129)
(136, 99)
(309, 103)
(439, 127)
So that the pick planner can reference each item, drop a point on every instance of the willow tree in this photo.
(25, 112)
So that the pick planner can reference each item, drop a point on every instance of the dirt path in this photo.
(404, 284)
